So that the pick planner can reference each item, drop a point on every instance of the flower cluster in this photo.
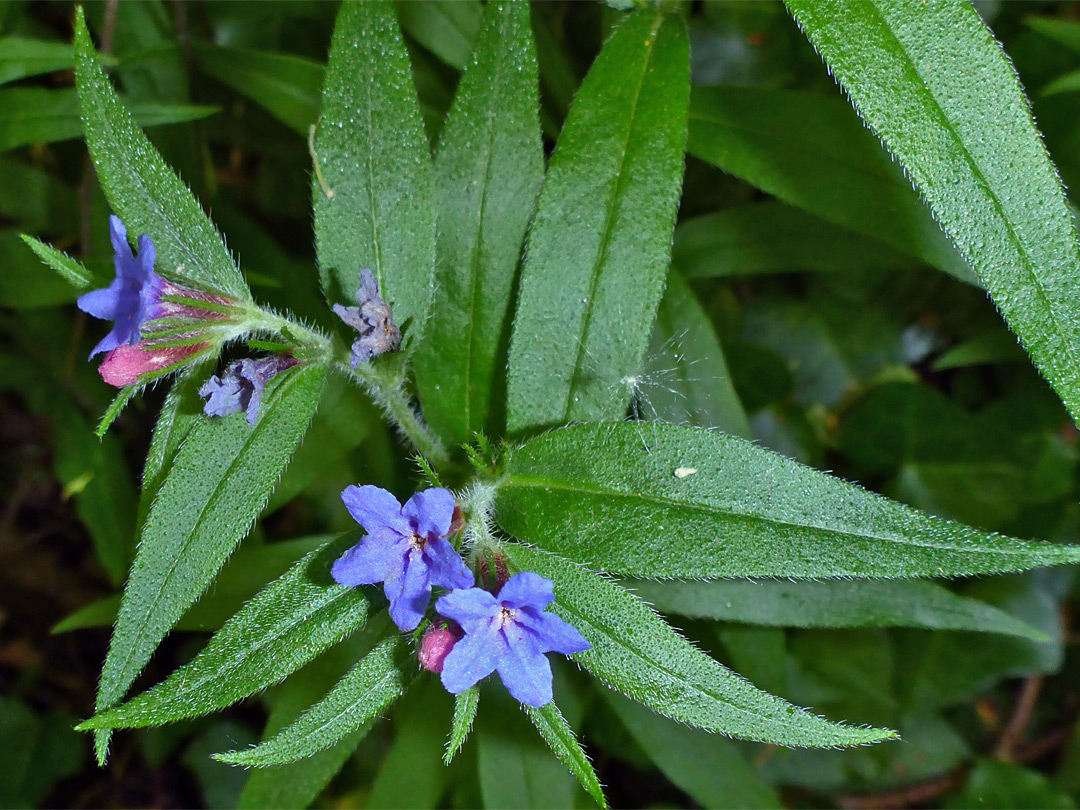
(407, 548)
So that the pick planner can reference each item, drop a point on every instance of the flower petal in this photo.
(430, 512)
(552, 634)
(410, 594)
(527, 590)
(468, 607)
(118, 236)
(523, 668)
(472, 659)
(445, 565)
(147, 256)
(374, 508)
(101, 303)
(371, 560)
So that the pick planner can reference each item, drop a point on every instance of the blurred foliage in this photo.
(845, 343)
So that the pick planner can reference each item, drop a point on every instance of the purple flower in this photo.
(134, 295)
(509, 633)
(372, 319)
(241, 387)
(405, 549)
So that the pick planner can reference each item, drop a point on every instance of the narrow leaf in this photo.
(373, 156)
(221, 478)
(286, 625)
(369, 688)
(20, 57)
(447, 28)
(562, 742)
(654, 500)
(70, 269)
(637, 653)
(781, 603)
(465, 704)
(600, 243)
(487, 172)
(143, 191)
(824, 162)
(959, 123)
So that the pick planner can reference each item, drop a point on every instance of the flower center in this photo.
(506, 615)
(417, 541)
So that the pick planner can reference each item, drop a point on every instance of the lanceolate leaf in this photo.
(369, 688)
(143, 191)
(218, 483)
(600, 243)
(562, 742)
(810, 151)
(286, 625)
(465, 704)
(902, 603)
(70, 269)
(487, 172)
(958, 121)
(373, 158)
(20, 57)
(655, 500)
(637, 653)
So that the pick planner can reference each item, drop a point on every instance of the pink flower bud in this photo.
(125, 364)
(437, 643)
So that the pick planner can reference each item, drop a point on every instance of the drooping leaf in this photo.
(447, 28)
(771, 237)
(366, 691)
(286, 85)
(958, 121)
(562, 742)
(142, 190)
(600, 242)
(374, 160)
(831, 604)
(655, 500)
(811, 152)
(465, 704)
(218, 483)
(637, 653)
(487, 172)
(71, 270)
(687, 380)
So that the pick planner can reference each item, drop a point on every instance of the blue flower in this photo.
(509, 633)
(405, 549)
(372, 319)
(134, 295)
(241, 387)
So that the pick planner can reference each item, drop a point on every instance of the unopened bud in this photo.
(437, 643)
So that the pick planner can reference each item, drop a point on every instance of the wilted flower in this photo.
(509, 633)
(372, 319)
(405, 549)
(241, 386)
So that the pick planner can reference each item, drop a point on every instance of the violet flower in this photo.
(509, 633)
(405, 549)
(372, 319)
(134, 295)
(241, 386)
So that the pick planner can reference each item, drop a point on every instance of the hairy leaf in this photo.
(600, 243)
(487, 172)
(70, 269)
(958, 121)
(562, 742)
(465, 704)
(655, 500)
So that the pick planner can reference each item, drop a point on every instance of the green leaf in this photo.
(218, 483)
(600, 242)
(69, 269)
(962, 129)
(810, 151)
(287, 86)
(143, 191)
(35, 115)
(365, 692)
(709, 770)
(667, 501)
(1004, 785)
(373, 155)
(562, 742)
(771, 237)
(41, 202)
(20, 57)
(687, 380)
(24, 283)
(831, 604)
(635, 652)
(465, 704)
(487, 172)
(447, 28)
